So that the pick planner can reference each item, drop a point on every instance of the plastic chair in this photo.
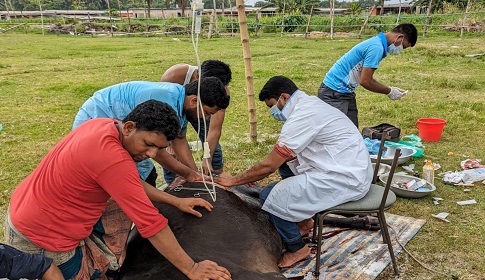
(376, 201)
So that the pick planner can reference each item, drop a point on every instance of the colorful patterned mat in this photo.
(356, 254)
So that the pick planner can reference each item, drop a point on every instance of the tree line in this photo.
(287, 6)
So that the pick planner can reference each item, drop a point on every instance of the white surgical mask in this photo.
(276, 112)
(392, 49)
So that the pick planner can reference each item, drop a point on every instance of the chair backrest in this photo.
(382, 148)
(389, 179)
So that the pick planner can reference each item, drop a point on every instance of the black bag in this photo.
(375, 132)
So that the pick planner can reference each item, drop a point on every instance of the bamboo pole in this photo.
(283, 18)
(428, 12)
(8, 11)
(41, 16)
(464, 18)
(232, 17)
(399, 13)
(248, 70)
(119, 10)
(332, 4)
(211, 25)
(216, 30)
(309, 20)
(366, 21)
(110, 20)
(256, 26)
(147, 15)
(129, 20)
(7, 2)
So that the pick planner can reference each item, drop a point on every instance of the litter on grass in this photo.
(471, 163)
(436, 200)
(442, 216)
(466, 202)
(467, 176)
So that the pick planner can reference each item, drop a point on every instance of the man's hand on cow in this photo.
(206, 270)
(194, 176)
(224, 179)
(206, 166)
(187, 205)
(178, 181)
(253, 184)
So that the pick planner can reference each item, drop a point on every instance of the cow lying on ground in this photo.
(236, 235)
(233, 235)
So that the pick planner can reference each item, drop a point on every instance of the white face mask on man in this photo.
(392, 49)
(276, 112)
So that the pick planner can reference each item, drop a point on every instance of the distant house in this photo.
(170, 13)
(52, 13)
(393, 6)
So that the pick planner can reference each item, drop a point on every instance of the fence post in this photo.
(309, 20)
(332, 4)
(248, 69)
(428, 12)
(8, 11)
(232, 22)
(366, 20)
(256, 24)
(464, 18)
(283, 18)
(211, 24)
(216, 29)
(41, 17)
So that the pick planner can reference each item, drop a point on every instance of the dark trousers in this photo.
(152, 177)
(16, 264)
(288, 231)
(345, 102)
(217, 162)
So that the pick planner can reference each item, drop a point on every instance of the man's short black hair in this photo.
(212, 92)
(155, 116)
(275, 86)
(409, 31)
(216, 68)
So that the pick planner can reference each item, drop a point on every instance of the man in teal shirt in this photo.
(119, 100)
(357, 67)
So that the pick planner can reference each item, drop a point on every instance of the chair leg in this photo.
(387, 239)
(382, 221)
(315, 226)
(319, 218)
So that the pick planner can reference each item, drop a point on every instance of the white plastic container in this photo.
(428, 171)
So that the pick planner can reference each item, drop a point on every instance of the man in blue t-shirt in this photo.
(357, 67)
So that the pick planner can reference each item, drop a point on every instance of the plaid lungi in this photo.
(101, 252)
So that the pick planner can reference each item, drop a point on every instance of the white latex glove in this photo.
(396, 93)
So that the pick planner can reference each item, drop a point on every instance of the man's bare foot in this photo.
(305, 226)
(290, 259)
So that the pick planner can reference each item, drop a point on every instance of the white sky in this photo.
(250, 2)
(388, 2)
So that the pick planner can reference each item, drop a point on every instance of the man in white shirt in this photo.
(327, 157)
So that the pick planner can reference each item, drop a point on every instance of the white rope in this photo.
(415, 259)
(196, 21)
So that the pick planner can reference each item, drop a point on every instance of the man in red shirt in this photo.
(89, 174)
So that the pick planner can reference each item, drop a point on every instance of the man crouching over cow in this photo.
(91, 174)
(321, 157)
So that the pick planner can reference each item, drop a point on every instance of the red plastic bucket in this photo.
(430, 129)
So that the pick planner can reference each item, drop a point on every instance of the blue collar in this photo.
(382, 36)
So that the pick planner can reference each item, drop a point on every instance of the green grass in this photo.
(44, 80)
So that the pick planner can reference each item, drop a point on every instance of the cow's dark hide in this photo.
(236, 235)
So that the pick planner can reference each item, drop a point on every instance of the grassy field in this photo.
(44, 80)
